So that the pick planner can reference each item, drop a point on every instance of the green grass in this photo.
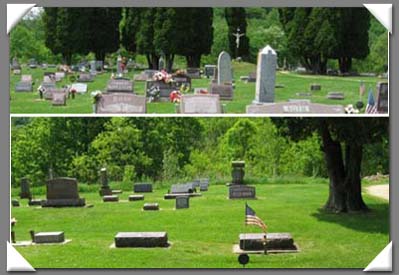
(244, 93)
(203, 235)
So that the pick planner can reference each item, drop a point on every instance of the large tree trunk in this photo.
(169, 62)
(345, 183)
(193, 61)
(345, 64)
(100, 56)
(67, 58)
(152, 60)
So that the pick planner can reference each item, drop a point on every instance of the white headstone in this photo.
(224, 68)
(266, 75)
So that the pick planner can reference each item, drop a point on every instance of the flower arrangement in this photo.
(163, 76)
(351, 110)
(73, 92)
(175, 96)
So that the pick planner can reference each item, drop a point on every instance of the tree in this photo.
(236, 18)
(343, 140)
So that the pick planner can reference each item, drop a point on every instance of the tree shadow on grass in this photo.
(374, 221)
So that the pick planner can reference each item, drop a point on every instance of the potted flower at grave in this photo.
(184, 89)
(175, 96)
(73, 92)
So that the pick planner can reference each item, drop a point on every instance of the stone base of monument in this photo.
(174, 196)
(115, 192)
(141, 239)
(240, 191)
(111, 198)
(29, 243)
(136, 197)
(105, 192)
(49, 237)
(275, 243)
(151, 206)
(64, 202)
(35, 202)
(142, 188)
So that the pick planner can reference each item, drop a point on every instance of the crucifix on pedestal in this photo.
(238, 36)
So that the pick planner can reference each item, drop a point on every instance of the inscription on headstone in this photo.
(63, 192)
(121, 103)
(182, 202)
(120, 86)
(294, 108)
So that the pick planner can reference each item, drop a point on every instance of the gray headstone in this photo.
(182, 188)
(15, 203)
(110, 198)
(182, 202)
(141, 239)
(336, 95)
(142, 187)
(120, 86)
(182, 79)
(315, 87)
(237, 172)
(224, 68)
(274, 241)
(300, 107)
(266, 75)
(194, 73)
(174, 196)
(63, 192)
(85, 77)
(25, 189)
(136, 197)
(49, 237)
(165, 88)
(93, 67)
(59, 98)
(240, 191)
(151, 206)
(382, 97)
(225, 91)
(120, 103)
(59, 76)
(25, 85)
(209, 70)
(200, 104)
(105, 189)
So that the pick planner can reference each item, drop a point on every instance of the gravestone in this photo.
(35, 202)
(238, 172)
(196, 183)
(99, 65)
(62, 192)
(15, 64)
(193, 73)
(303, 94)
(204, 186)
(164, 88)
(241, 191)
(80, 88)
(120, 103)
(25, 85)
(48, 85)
(136, 197)
(32, 63)
(151, 207)
(200, 104)
(182, 202)
(209, 70)
(182, 188)
(119, 86)
(59, 98)
(59, 76)
(110, 198)
(224, 69)
(182, 79)
(336, 95)
(85, 77)
(50, 92)
(15, 203)
(25, 189)
(315, 87)
(119, 69)
(225, 91)
(274, 241)
(252, 77)
(300, 107)
(141, 239)
(49, 237)
(382, 97)
(105, 189)
(266, 75)
(145, 75)
(117, 191)
(142, 187)
(93, 67)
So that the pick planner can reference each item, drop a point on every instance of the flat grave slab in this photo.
(80, 88)
(116, 191)
(136, 197)
(151, 206)
(174, 196)
(141, 239)
(120, 86)
(300, 107)
(85, 77)
(315, 87)
(49, 237)
(35, 202)
(121, 103)
(225, 91)
(142, 187)
(336, 95)
(200, 104)
(240, 191)
(274, 241)
(182, 188)
(110, 198)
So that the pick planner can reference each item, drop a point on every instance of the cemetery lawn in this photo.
(244, 93)
(203, 235)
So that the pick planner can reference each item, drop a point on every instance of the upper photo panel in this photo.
(258, 60)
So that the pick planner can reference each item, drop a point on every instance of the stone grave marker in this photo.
(80, 88)
(200, 104)
(204, 184)
(141, 239)
(274, 241)
(237, 172)
(121, 103)
(182, 202)
(14, 203)
(151, 207)
(241, 191)
(85, 77)
(120, 86)
(224, 69)
(50, 92)
(93, 67)
(300, 107)
(266, 75)
(336, 95)
(182, 188)
(251, 77)
(315, 87)
(110, 198)
(209, 70)
(62, 192)
(105, 189)
(35, 202)
(49, 237)
(182, 79)
(382, 97)
(143, 187)
(25, 189)
(59, 98)
(48, 85)
(25, 85)
(225, 91)
(194, 73)
(59, 76)
(164, 88)
(136, 197)
(303, 94)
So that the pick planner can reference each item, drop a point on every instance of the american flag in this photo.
(252, 219)
(371, 107)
